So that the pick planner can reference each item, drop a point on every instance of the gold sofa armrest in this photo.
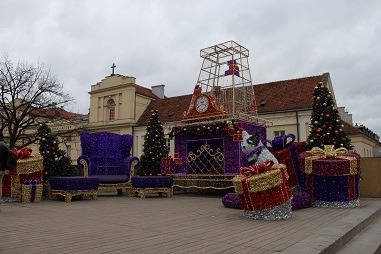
(85, 167)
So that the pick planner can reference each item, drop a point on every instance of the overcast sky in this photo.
(159, 42)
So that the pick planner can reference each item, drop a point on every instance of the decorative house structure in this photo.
(207, 152)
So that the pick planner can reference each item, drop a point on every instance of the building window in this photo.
(111, 109)
(111, 115)
(279, 133)
(68, 150)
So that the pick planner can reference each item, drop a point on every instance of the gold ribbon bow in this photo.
(329, 152)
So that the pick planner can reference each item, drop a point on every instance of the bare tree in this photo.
(29, 93)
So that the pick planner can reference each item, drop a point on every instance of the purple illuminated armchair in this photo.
(107, 156)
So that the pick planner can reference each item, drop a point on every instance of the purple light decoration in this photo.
(74, 183)
(232, 72)
(230, 62)
(301, 200)
(233, 157)
(232, 200)
(330, 178)
(107, 153)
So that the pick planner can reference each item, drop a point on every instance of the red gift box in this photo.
(290, 157)
(237, 137)
(233, 67)
(11, 185)
(27, 169)
(262, 186)
(166, 163)
(177, 160)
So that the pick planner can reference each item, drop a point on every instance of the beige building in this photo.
(287, 104)
(116, 103)
(119, 105)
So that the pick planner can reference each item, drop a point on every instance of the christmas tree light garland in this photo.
(154, 147)
(55, 161)
(326, 127)
(233, 127)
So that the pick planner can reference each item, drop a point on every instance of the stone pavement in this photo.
(184, 223)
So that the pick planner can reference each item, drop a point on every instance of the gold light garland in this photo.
(202, 188)
(26, 193)
(263, 181)
(30, 165)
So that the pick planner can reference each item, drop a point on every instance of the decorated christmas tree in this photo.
(154, 147)
(55, 161)
(326, 127)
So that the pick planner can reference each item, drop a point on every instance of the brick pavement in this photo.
(184, 223)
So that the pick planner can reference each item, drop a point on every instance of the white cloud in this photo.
(158, 42)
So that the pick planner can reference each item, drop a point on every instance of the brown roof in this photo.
(145, 91)
(51, 112)
(350, 129)
(286, 94)
(279, 96)
(169, 109)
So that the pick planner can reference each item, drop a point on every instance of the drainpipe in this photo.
(297, 126)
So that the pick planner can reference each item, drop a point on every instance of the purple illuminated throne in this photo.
(107, 156)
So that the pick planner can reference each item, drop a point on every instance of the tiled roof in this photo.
(169, 109)
(50, 112)
(279, 96)
(350, 129)
(286, 94)
(66, 114)
(145, 91)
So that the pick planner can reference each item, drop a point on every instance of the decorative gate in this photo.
(205, 159)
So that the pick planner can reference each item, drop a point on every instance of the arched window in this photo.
(111, 109)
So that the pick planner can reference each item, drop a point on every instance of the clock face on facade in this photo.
(202, 104)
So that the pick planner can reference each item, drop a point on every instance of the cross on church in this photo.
(113, 67)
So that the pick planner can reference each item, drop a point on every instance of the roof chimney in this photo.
(158, 91)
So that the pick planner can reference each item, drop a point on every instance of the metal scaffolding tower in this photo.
(225, 75)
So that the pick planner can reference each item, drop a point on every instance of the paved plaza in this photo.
(184, 223)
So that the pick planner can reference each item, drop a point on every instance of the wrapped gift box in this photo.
(300, 200)
(290, 157)
(27, 169)
(331, 176)
(232, 72)
(30, 168)
(11, 188)
(264, 191)
(31, 191)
